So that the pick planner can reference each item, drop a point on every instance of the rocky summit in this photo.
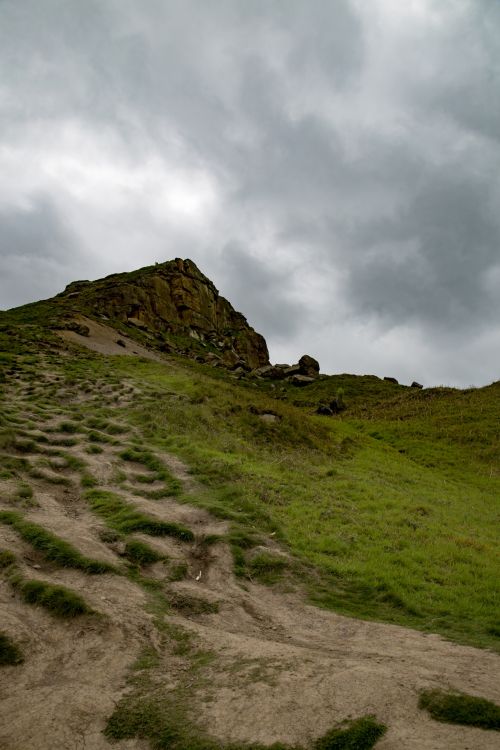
(175, 307)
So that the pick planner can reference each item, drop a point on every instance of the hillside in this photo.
(215, 537)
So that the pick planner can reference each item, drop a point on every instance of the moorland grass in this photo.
(58, 600)
(459, 708)
(266, 567)
(390, 506)
(387, 537)
(7, 559)
(191, 605)
(360, 734)
(123, 517)
(141, 553)
(155, 466)
(24, 492)
(10, 653)
(52, 547)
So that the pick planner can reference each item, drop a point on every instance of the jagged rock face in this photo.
(174, 298)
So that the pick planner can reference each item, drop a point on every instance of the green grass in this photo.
(123, 517)
(191, 605)
(7, 559)
(87, 480)
(156, 467)
(24, 492)
(140, 553)
(58, 600)
(390, 508)
(266, 568)
(458, 708)
(178, 571)
(10, 653)
(385, 536)
(52, 547)
(98, 437)
(361, 734)
(93, 450)
(164, 724)
(69, 427)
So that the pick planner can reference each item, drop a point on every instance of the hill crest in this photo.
(172, 307)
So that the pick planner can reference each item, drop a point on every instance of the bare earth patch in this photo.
(103, 338)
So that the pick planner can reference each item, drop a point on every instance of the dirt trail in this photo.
(284, 670)
(288, 671)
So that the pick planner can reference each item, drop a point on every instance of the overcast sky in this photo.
(332, 165)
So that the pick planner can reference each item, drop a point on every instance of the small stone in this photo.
(325, 411)
(269, 418)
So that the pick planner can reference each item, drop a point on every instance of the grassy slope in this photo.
(392, 507)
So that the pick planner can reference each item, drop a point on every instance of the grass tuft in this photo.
(24, 492)
(51, 546)
(141, 553)
(155, 466)
(7, 558)
(123, 517)
(191, 605)
(266, 568)
(10, 653)
(58, 600)
(361, 734)
(69, 427)
(459, 708)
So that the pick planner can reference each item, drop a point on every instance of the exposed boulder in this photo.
(230, 358)
(270, 372)
(324, 411)
(268, 418)
(309, 366)
(305, 371)
(292, 370)
(337, 405)
(416, 385)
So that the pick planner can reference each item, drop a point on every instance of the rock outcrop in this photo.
(174, 305)
(304, 372)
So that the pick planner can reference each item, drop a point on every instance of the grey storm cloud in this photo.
(263, 290)
(34, 247)
(332, 166)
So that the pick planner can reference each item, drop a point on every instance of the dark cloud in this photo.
(264, 291)
(333, 166)
(429, 262)
(36, 250)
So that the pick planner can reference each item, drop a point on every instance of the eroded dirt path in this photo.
(282, 670)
